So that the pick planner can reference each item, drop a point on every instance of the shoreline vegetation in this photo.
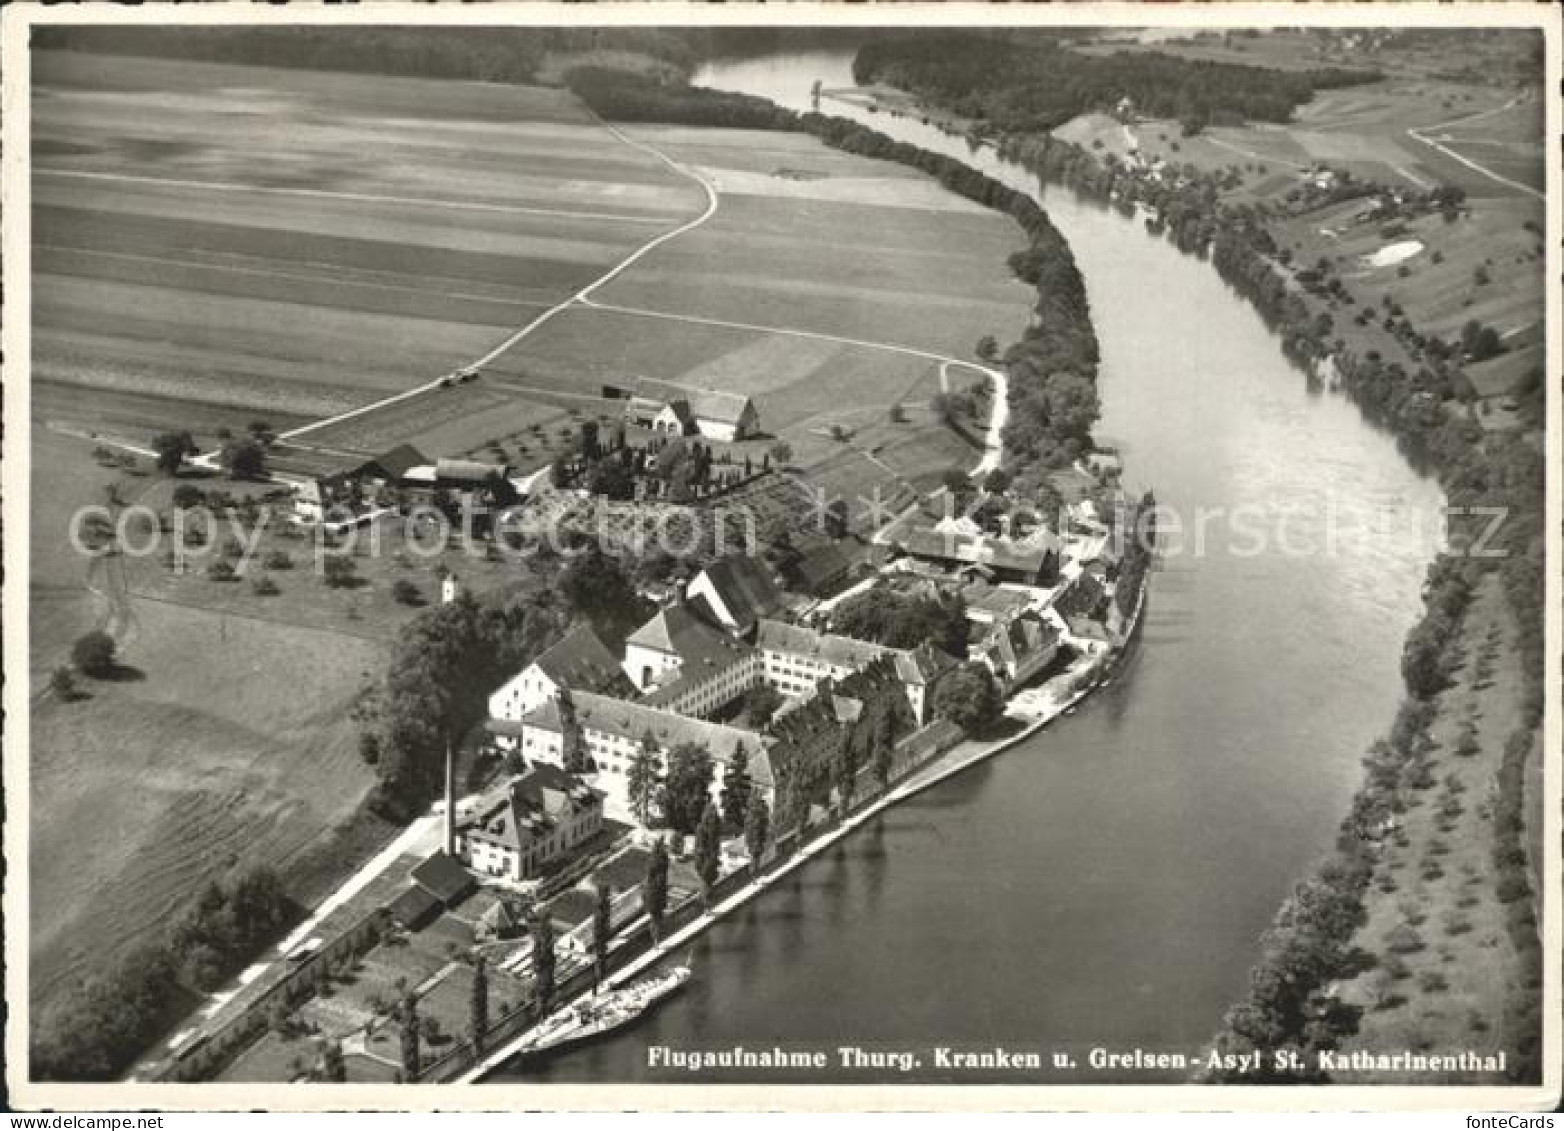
(1311, 943)
(1053, 408)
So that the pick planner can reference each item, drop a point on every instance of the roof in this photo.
(924, 664)
(395, 463)
(841, 651)
(500, 917)
(818, 565)
(514, 814)
(1029, 557)
(443, 878)
(745, 586)
(1083, 596)
(413, 906)
(688, 630)
(580, 660)
(645, 408)
(705, 404)
(1085, 626)
(468, 470)
(994, 600)
(1024, 636)
(634, 720)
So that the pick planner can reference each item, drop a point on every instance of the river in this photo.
(1104, 884)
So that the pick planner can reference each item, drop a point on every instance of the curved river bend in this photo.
(1104, 884)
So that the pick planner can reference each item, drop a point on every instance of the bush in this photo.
(95, 654)
(264, 586)
(278, 559)
(405, 592)
(220, 571)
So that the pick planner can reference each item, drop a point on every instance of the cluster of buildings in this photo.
(401, 476)
(672, 409)
(684, 678)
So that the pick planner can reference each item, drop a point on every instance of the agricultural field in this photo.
(1436, 927)
(807, 245)
(218, 243)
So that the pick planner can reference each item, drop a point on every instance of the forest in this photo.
(1019, 81)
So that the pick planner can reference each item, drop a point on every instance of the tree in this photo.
(95, 654)
(845, 771)
(987, 347)
(969, 697)
(736, 790)
(956, 481)
(654, 887)
(339, 571)
(410, 1058)
(62, 681)
(882, 748)
(687, 787)
(602, 930)
(479, 1007)
(171, 449)
(708, 849)
(997, 482)
(243, 459)
(757, 832)
(187, 495)
(596, 587)
(760, 705)
(333, 1068)
(404, 592)
(543, 958)
(781, 453)
(897, 414)
(644, 778)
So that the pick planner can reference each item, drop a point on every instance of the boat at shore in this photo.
(604, 1012)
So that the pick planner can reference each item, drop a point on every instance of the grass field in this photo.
(207, 753)
(220, 242)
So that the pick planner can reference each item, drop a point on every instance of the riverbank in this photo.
(960, 758)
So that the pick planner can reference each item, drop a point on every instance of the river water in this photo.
(1104, 884)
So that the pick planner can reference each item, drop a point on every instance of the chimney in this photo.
(450, 800)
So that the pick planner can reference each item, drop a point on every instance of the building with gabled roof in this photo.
(795, 659)
(520, 828)
(613, 731)
(684, 641)
(739, 590)
(667, 406)
(578, 660)
(444, 878)
(392, 467)
(1017, 649)
(1032, 562)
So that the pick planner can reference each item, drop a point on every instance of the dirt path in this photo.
(1422, 135)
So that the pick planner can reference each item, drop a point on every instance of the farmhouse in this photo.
(1034, 562)
(818, 568)
(611, 732)
(665, 406)
(523, 826)
(739, 590)
(578, 660)
(389, 469)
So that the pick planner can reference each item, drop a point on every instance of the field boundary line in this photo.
(993, 445)
(559, 307)
(1418, 134)
(359, 197)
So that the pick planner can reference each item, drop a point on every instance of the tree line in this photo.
(103, 1021)
(1018, 80)
(479, 54)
